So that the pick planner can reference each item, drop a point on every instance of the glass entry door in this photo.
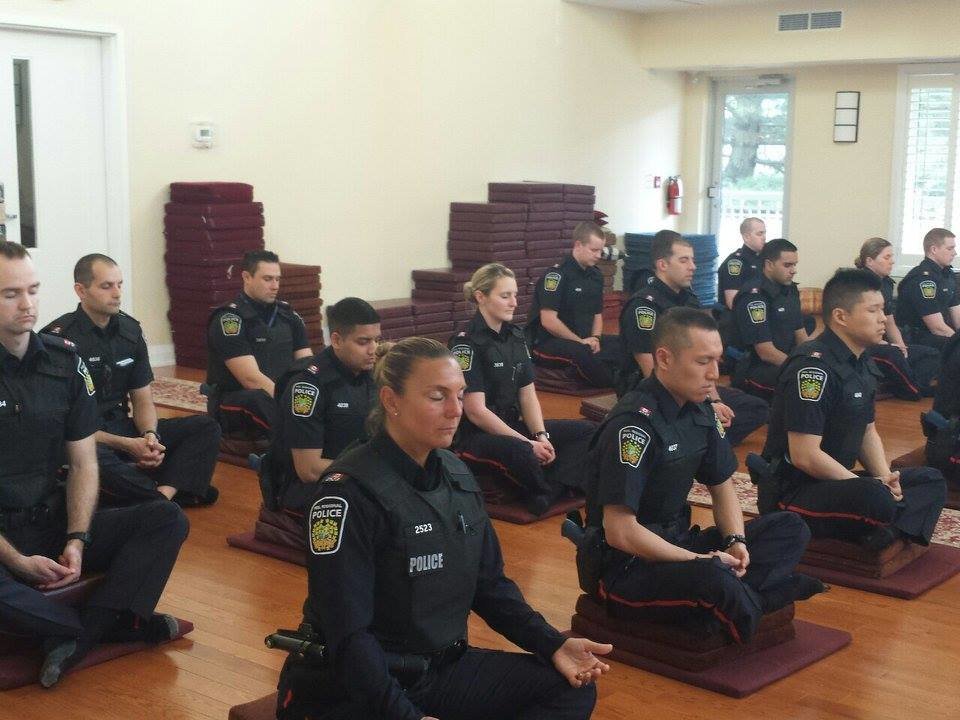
(751, 157)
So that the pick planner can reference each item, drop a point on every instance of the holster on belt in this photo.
(766, 475)
(591, 547)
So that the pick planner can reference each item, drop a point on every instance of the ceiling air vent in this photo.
(826, 20)
(793, 21)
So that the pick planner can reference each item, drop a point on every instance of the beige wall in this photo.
(358, 121)
(746, 35)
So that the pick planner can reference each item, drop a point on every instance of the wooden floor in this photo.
(904, 661)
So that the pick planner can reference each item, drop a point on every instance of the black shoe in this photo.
(884, 536)
(189, 500)
(808, 586)
(539, 504)
(58, 660)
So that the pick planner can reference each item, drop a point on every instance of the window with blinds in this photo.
(930, 181)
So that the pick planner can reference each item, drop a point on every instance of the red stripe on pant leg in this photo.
(731, 628)
(831, 515)
(255, 418)
(897, 370)
(758, 385)
(487, 461)
(569, 361)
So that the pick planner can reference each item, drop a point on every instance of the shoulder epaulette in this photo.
(58, 343)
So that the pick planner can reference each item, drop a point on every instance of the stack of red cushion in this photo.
(208, 227)
(300, 286)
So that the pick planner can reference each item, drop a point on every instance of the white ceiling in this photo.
(646, 6)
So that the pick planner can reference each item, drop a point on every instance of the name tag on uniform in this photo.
(577, 290)
(260, 339)
(424, 564)
(343, 406)
(498, 364)
(781, 309)
(94, 359)
(672, 447)
(124, 362)
(858, 394)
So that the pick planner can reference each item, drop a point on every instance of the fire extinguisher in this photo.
(674, 195)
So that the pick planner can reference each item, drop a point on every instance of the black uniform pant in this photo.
(513, 459)
(921, 335)
(756, 377)
(192, 446)
(908, 378)
(481, 685)
(247, 412)
(851, 509)
(597, 369)
(135, 546)
(750, 413)
(681, 592)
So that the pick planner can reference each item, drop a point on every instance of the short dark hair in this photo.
(935, 238)
(255, 257)
(586, 230)
(845, 289)
(12, 250)
(775, 248)
(83, 270)
(662, 246)
(672, 330)
(344, 316)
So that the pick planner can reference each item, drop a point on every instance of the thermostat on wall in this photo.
(202, 134)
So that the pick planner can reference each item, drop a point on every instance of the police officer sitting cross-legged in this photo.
(907, 370)
(140, 457)
(822, 422)
(928, 304)
(322, 406)
(943, 441)
(252, 341)
(768, 320)
(566, 316)
(49, 532)
(672, 258)
(400, 551)
(504, 429)
(645, 456)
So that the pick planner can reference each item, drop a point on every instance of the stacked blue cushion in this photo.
(705, 255)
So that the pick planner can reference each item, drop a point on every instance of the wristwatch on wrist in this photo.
(542, 433)
(85, 537)
(151, 432)
(730, 540)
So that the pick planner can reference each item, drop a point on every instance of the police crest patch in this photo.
(85, 374)
(928, 289)
(810, 383)
(720, 430)
(734, 267)
(646, 317)
(464, 356)
(303, 399)
(633, 444)
(758, 311)
(551, 281)
(327, 518)
(230, 324)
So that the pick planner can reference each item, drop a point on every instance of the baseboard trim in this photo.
(161, 355)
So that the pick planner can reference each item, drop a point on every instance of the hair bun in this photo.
(384, 347)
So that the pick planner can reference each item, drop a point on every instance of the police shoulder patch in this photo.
(928, 289)
(810, 383)
(230, 324)
(326, 521)
(463, 355)
(646, 317)
(85, 374)
(634, 441)
(734, 266)
(303, 399)
(551, 281)
(758, 311)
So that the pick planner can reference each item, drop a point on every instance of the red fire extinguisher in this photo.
(674, 195)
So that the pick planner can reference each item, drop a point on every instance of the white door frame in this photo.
(116, 157)
(720, 86)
